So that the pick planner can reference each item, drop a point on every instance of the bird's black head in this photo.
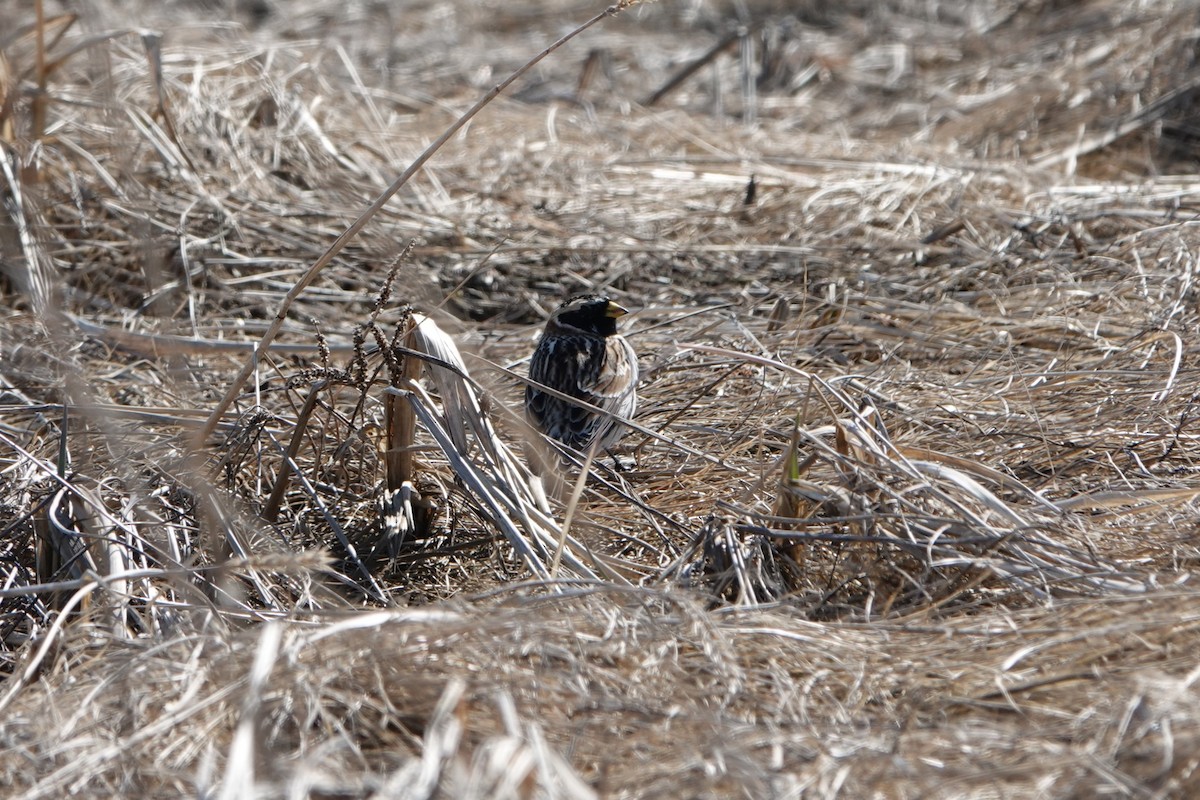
(592, 313)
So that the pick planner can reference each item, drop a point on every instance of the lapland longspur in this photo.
(581, 355)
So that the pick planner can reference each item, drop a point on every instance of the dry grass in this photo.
(911, 497)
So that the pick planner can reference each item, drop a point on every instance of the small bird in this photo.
(581, 355)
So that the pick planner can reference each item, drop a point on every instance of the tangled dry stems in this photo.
(911, 502)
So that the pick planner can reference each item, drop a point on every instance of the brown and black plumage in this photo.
(581, 355)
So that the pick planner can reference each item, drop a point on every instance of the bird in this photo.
(581, 355)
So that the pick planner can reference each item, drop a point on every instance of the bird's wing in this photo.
(618, 371)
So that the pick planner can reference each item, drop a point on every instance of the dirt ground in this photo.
(908, 509)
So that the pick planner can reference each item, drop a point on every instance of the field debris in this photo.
(909, 507)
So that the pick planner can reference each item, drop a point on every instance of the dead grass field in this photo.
(910, 510)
